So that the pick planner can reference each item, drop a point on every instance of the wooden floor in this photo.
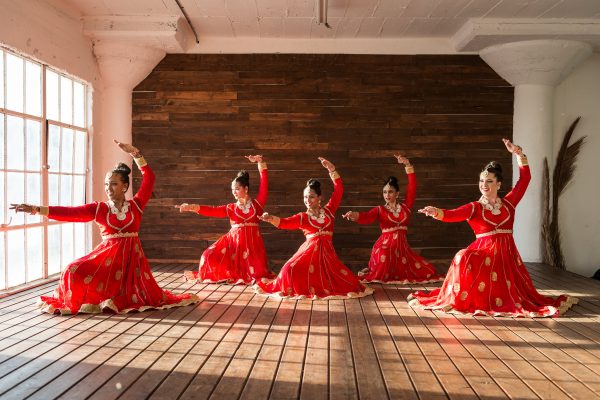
(234, 344)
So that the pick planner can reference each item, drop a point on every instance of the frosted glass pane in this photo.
(2, 138)
(33, 195)
(15, 194)
(66, 151)
(33, 89)
(51, 95)
(66, 190)
(80, 236)
(1, 88)
(16, 257)
(79, 190)
(66, 100)
(67, 244)
(80, 152)
(53, 189)
(14, 83)
(15, 141)
(53, 249)
(54, 148)
(2, 264)
(78, 104)
(34, 253)
(34, 145)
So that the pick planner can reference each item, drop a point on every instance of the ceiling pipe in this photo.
(322, 12)
(188, 20)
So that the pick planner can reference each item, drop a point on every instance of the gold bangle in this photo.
(44, 210)
(409, 169)
(140, 161)
(439, 213)
(334, 175)
(275, 221)
(522, 160)
(262, 165)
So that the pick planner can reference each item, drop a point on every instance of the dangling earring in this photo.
(124, 190)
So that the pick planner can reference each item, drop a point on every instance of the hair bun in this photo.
(243, 174)
(313, 183)
(123, 168)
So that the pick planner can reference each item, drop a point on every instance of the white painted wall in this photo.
(579, 95)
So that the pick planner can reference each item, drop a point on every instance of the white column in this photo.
(122, 64)
(534, 68)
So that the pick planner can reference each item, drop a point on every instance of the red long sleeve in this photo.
(84, 213)
(411, 191)
(145, 190)
(293, 222)
(336, 197)
(518, 191)
(214, 211)
(459, 214)
(263, 189)
(368, 217)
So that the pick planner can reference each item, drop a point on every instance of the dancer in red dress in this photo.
(239, 257)
(392, 260)
(489, 277)
(115, 275)
(315, 271)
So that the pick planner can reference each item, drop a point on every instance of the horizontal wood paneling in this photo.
(195, 116)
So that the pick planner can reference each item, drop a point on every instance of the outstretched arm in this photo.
(363, 218)
(459, 214)
(83, 213)
(289, 223)
(207, 211)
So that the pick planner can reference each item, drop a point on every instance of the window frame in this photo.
(44, 171)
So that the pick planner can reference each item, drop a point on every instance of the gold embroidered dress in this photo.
(116, 274)
(239, 256)
(489, 277)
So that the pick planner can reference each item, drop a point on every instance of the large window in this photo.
(43, 160)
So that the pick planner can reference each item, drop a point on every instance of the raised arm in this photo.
(263, 189)
(338, 187)
(142, 196)
(518, 191)
(411, 189)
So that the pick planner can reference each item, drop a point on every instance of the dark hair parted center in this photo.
(242, 178)
(495, 168)
(393, 182)
(314, 185)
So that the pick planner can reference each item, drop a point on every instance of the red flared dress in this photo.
(115, 275)
(392, 260)
(489, 277)
(315, 271)
(238, 257)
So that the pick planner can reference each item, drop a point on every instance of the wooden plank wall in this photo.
(195, 116)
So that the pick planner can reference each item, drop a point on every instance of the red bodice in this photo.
(481, 219)
(310, 225)
(235, 213)
(385, 217)
(100, 212)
